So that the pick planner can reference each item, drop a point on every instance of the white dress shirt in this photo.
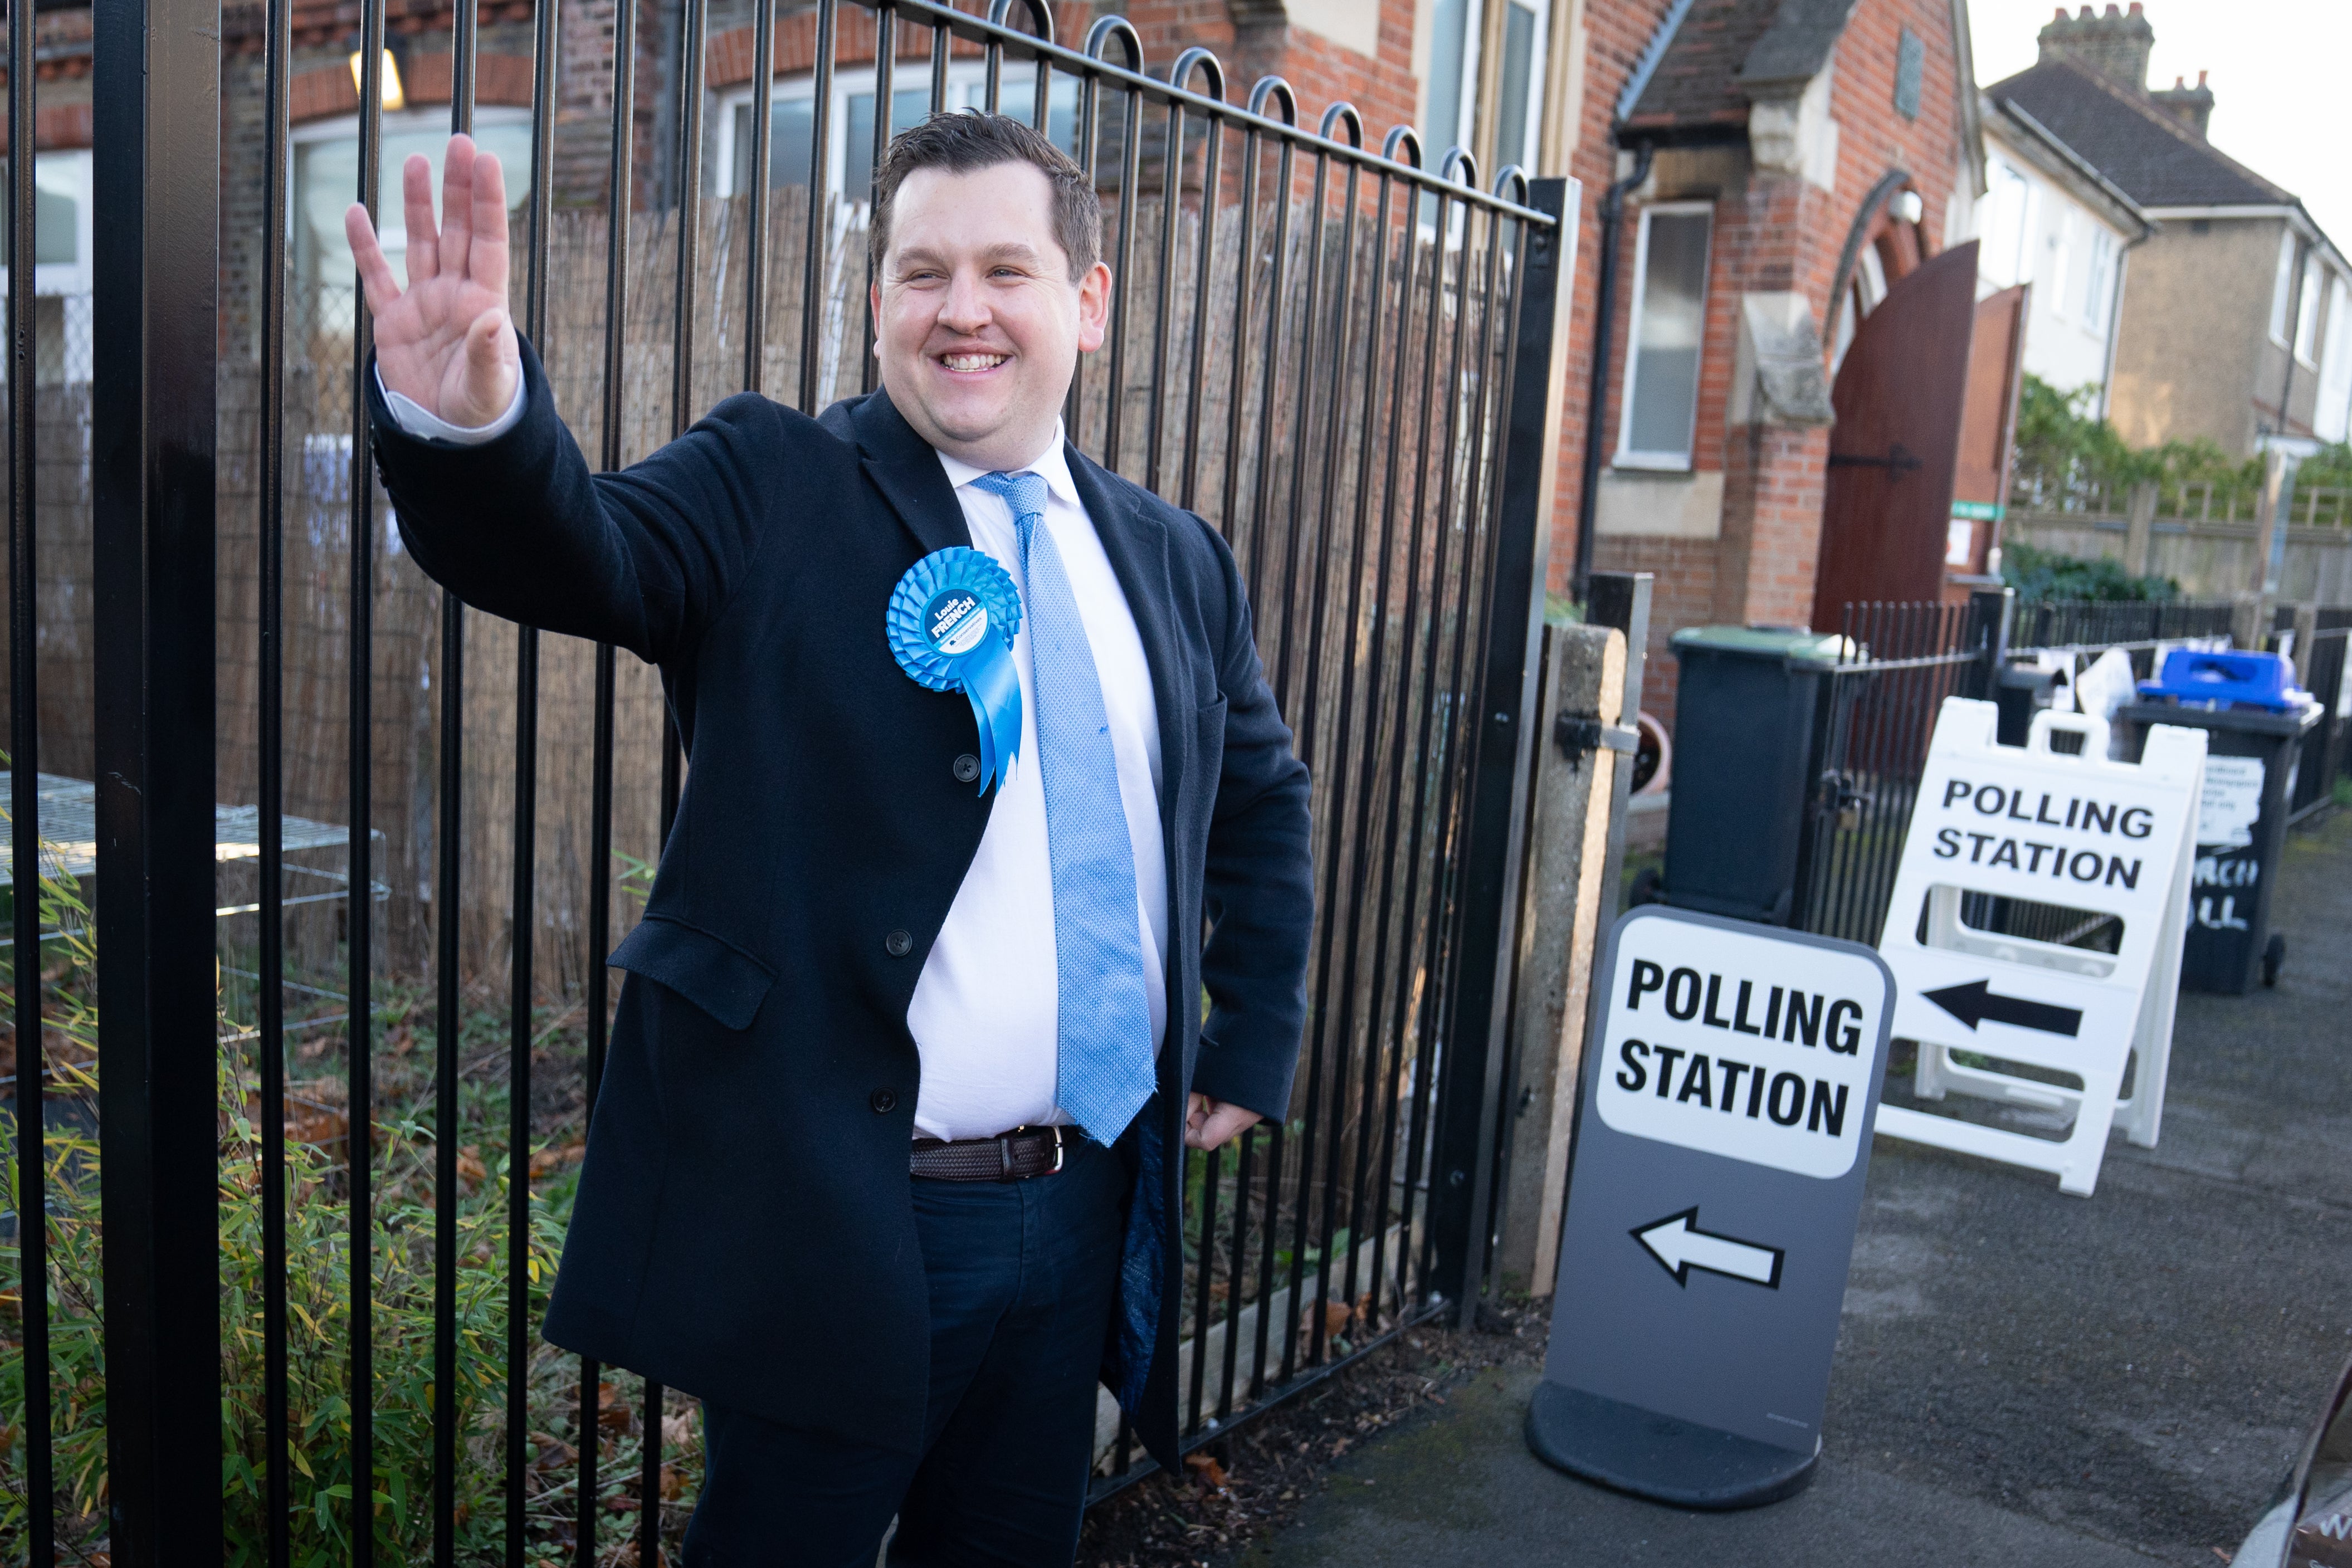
(986, 1005)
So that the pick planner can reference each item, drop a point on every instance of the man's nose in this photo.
(966, 307)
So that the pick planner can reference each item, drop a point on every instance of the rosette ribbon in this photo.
(951, 626)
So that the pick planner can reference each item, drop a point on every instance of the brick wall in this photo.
(1772, 233)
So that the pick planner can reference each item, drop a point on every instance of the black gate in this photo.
(319, 1009)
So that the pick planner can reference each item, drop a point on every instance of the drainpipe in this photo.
(1596, 411)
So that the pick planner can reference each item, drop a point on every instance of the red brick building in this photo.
(1784, 164)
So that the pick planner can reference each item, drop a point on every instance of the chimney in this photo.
(2116, 44)
(2192, 106)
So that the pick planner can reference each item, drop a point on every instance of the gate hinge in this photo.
(1578, 734)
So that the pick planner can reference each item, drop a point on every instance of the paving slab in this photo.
(2022, 1377)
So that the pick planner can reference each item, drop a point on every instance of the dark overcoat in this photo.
(743, 1229)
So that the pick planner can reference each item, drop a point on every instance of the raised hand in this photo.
(448, 342)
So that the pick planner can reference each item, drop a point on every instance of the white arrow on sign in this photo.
(1680, 1246)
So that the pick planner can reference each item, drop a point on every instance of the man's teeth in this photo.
(972, 361)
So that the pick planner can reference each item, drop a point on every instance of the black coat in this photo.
(743, 1229)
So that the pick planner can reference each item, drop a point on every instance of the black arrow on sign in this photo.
(1975, 1002)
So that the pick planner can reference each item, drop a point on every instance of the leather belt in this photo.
(1017, 1156)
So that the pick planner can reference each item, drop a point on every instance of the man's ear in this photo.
(874, 314)
(1094, 307)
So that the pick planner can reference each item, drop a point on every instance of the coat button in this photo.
(967, 769)
(884, 1100)
(897, 944)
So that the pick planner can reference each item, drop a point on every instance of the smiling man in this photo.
(885, 1163)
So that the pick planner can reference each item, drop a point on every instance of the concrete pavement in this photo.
(2022, 1377)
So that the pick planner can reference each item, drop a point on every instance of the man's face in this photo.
(978, 324)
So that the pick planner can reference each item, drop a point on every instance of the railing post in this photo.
(1469, 1076)
(156, 72)
(1992, 614)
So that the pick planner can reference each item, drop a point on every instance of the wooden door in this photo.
(1898, 396)
(1987, 437)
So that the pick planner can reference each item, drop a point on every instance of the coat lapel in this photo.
(1137, 544)
(906, 471)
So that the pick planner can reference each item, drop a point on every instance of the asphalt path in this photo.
(2022, 1377)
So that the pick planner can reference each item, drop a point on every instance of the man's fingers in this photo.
(375, 272)
(488, 262)
(456, 206)
(416, 210)
(492, 363)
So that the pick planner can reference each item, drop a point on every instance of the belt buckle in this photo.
(1059, 1145)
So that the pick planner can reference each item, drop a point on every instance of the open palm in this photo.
(448, 340)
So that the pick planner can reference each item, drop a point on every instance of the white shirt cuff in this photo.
(414, 419)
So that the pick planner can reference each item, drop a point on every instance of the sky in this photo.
(2276, 69)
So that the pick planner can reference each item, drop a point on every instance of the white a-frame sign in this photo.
(2036, 925)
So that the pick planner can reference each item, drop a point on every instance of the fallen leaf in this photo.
(547, 1161)
(610, 1412)
(673, 1482)
(1210, 1472)
(470, 1169)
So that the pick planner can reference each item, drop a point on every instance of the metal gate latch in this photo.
(1578, 734)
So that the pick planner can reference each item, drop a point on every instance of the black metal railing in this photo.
(2321, 763)
(326, 1237)
(1878, 714)
(2137, 626)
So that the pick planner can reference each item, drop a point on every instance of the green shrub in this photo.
(318, 1289)
(2039, 574)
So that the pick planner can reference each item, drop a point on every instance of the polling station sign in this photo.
(1723, 1133)
(2037, 918)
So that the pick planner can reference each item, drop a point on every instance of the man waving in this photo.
(885, 1163)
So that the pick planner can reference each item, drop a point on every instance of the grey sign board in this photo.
(1722, 1137)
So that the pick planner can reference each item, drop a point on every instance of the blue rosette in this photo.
(950, 627)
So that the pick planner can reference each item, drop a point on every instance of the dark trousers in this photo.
(1022, 1276)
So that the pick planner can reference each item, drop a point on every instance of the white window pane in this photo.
(1664, 399)
(1519, 67)
(326, 175)
(2306, 311)
(2283, 287)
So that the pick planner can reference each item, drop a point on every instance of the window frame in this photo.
(67, 277)
(2282, 290)
(2336, 364)
(1539, 55)
(2307, 309)
(966, 89)
(1627, 456)
(346, 127)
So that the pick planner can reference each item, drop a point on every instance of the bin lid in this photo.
(1787, 644)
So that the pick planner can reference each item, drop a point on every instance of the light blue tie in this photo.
(1103, 1046)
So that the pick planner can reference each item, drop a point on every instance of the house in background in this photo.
(2051, 222)
(1769, 184)
(2238, 323)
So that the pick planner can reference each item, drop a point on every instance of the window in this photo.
(2307, 313)
(61, 221)
(2062, 249)
(1519, 117)
(2332, 421)
(850, 155)
(327, 181)
(2001, 252)
(2099, 286)
(1660, 407)
(2283, 289)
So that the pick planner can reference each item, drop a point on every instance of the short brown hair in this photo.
(969, 140)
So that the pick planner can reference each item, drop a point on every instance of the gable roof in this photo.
(2157, 161)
